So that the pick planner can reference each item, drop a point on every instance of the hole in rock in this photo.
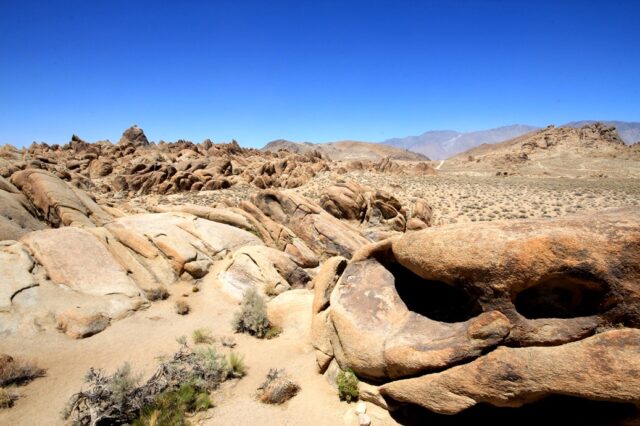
(435, 300)
(550, 411)
(561, 296)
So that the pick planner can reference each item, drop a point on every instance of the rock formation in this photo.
(409, 310)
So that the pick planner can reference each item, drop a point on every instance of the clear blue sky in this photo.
(311, 70)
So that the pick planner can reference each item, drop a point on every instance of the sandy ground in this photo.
(141, 338)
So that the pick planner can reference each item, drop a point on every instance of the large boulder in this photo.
(373, 208)
(408, 310)
(62, 279)
(177, 243)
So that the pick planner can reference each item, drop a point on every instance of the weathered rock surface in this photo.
(17, 216)
(321, 232)
(268, 270)
(603, 367)
(416, 306)
(74, 258)
(60, 204)
(291, 311)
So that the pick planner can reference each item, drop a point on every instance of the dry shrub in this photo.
(252, 316)
(182, 307)
(182, 383)
(277, 387)
(17, 372)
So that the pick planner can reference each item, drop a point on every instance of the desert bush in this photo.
(277, 387)
(214, 367)
(272, 332)
(7, 398)
(182, 307)
(252, 316)
(180, 384)
(158, 293)
(236, 363)
(347, 385)
(17, 372)
(122, 383)
(169, 407)
(202, 335)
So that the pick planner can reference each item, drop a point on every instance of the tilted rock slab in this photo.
(604, 367)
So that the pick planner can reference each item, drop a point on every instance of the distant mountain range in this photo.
(346, 150)
(442, 144)
(437, 144)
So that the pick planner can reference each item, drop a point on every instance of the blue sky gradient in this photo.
(310, 70)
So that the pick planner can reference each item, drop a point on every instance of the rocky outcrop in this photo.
(374, 208)
(135, 136)
(96, 268)
(325, 235)
(270, 271)
(59, 203)
(408, 310)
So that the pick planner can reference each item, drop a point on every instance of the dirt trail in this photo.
(144, 336)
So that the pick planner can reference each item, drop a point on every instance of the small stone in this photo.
(361, 408)
(364, 420)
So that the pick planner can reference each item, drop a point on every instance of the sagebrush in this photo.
(252, 316)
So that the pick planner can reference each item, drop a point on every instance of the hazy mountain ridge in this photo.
(442, 144)
(347, 150)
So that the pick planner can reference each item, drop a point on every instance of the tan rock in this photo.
(603, 367)
(76, 259)
(291, 311)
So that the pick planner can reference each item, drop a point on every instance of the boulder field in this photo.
(501, 313)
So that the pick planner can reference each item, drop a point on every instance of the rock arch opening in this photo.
(435, 300)
(561, 296)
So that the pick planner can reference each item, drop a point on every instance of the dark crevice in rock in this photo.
(562, 296)
(435, 300)
(553, 410)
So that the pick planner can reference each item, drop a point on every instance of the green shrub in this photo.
(272, 332)
(252, 316)
(202, 335)
(347, 385)
(215, 367)
(236, 363)
(169, 407)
